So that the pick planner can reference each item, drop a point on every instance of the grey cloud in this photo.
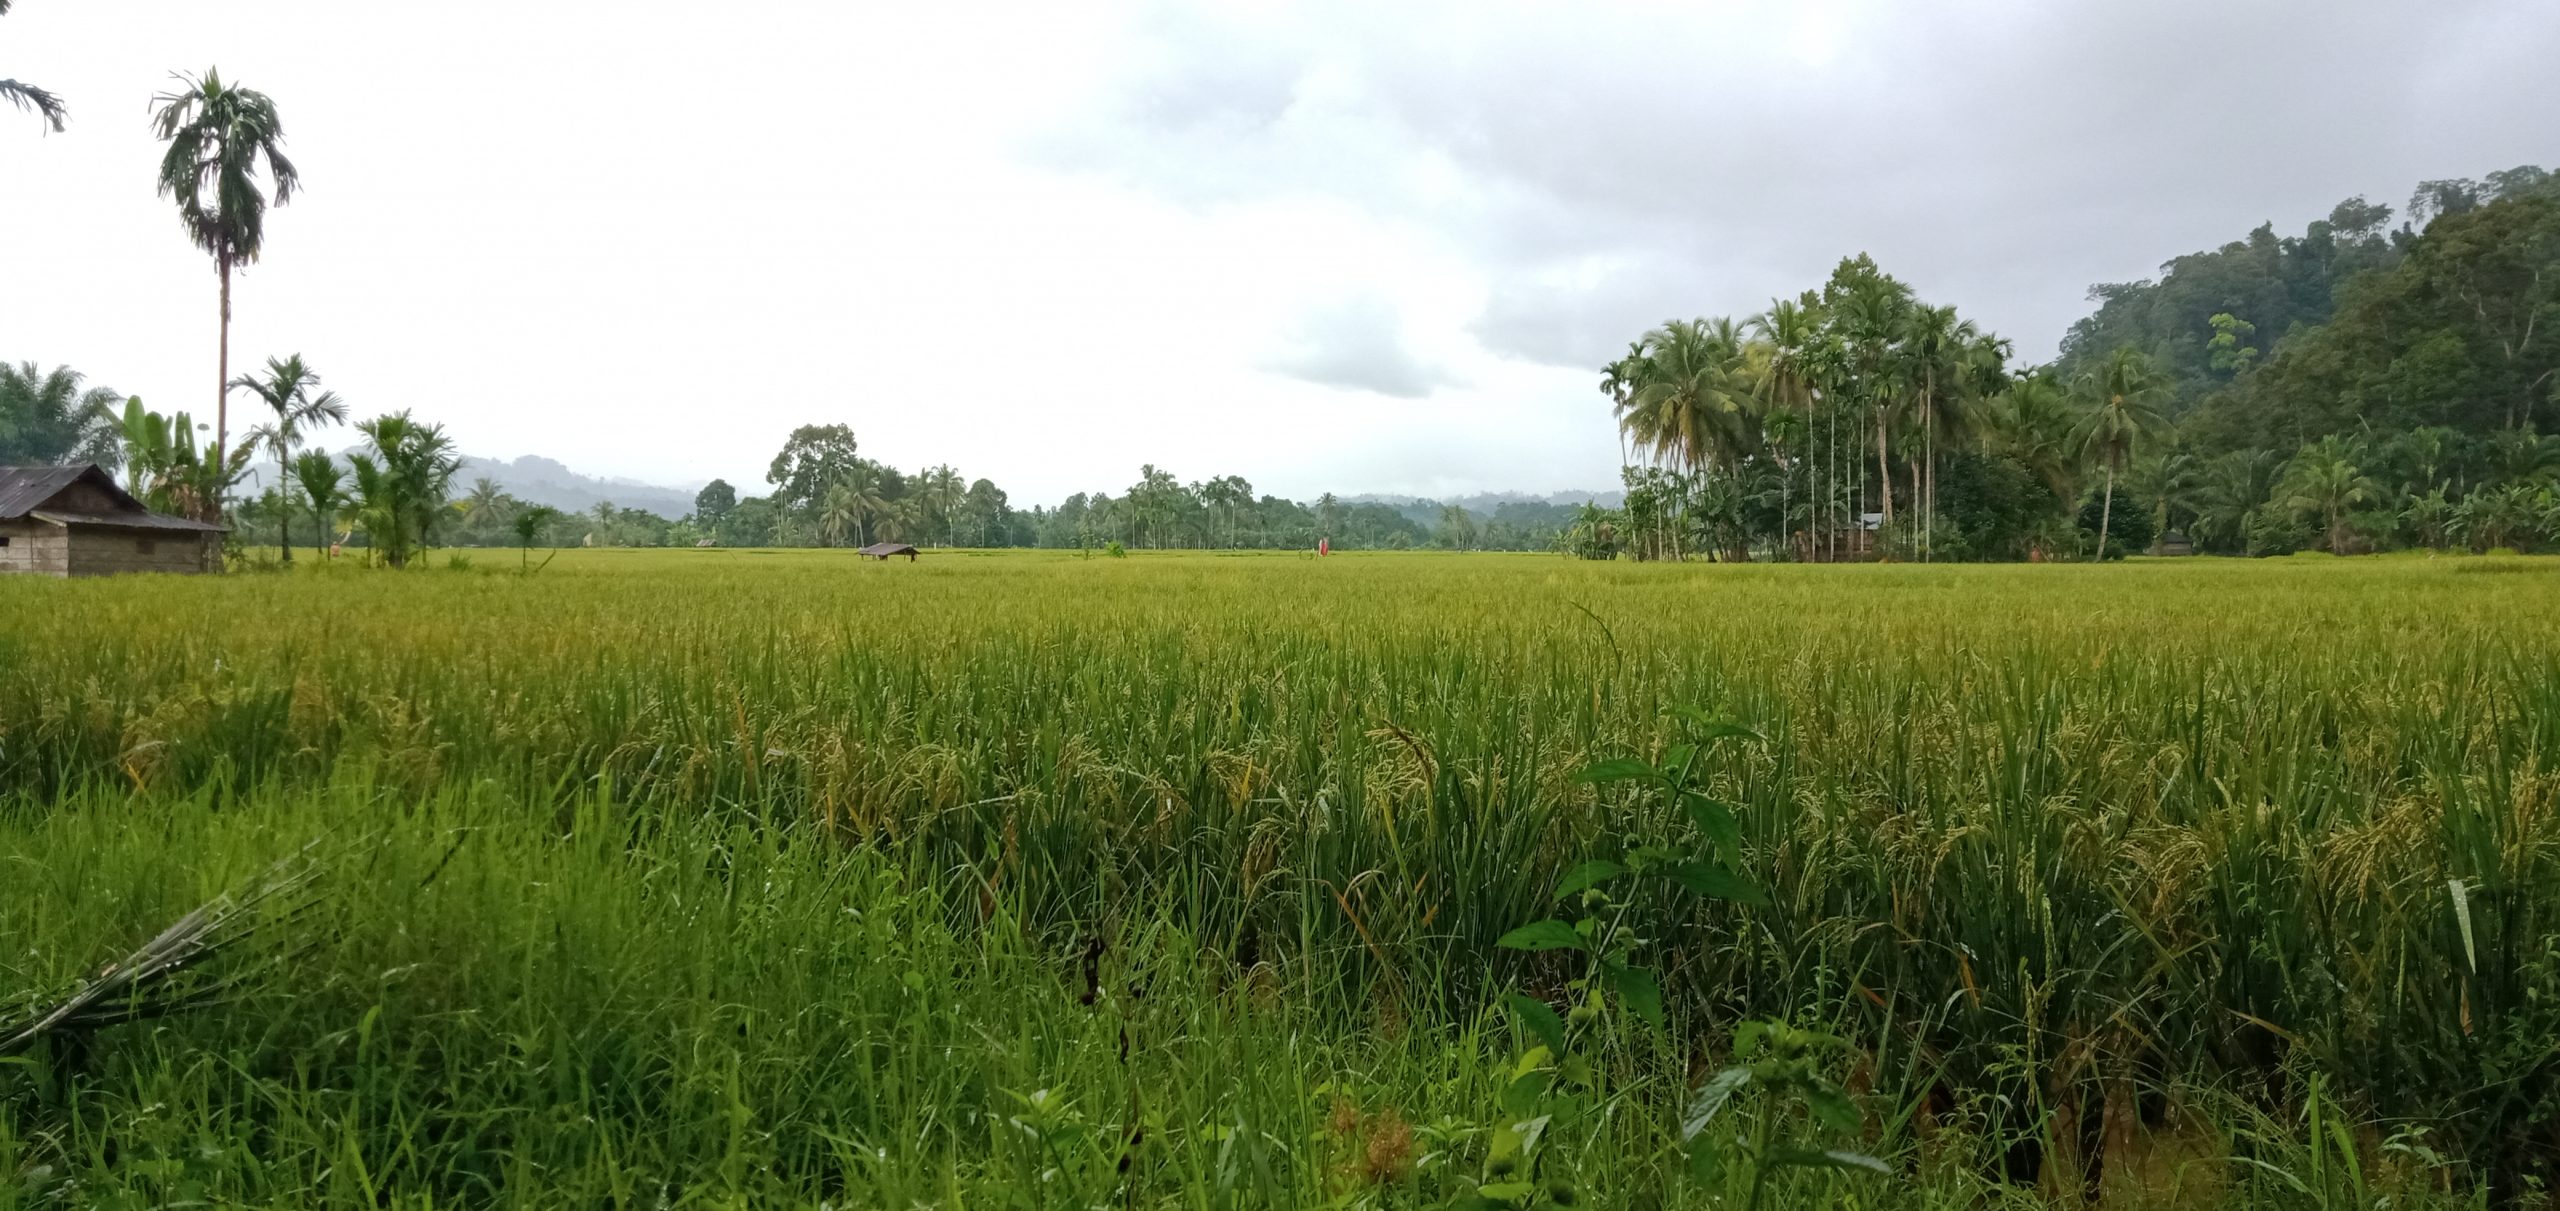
(1359, 343)
(1618, 165)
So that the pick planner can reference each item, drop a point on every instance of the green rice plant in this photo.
(2070, 857)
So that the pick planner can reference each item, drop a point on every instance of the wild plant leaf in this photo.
(1709, 727)
(1543, 935)
(1640, 992)
(1507, 1192)
(1706, 1159)
(1711, 1098)
(1618, 769)
(1715, 821)
(1804, 1158)
(1539, 1018)
(1587, 876)
(1716, 883)
(1833, 1108)
(2462, 916)
(1676, 761)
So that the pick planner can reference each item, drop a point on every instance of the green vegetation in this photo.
(1180, 880)
(2415, 365)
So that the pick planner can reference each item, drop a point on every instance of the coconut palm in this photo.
(2030, 422)
(322, 485)
(2324, 481)
(1686, 411)
(2123, 397)
(286, 391)
(217, 134)
(46, 106)
(50, 417)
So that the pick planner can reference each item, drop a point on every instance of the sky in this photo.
(1352, 247)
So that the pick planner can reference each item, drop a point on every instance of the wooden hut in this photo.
(75, 521)
(883, 550)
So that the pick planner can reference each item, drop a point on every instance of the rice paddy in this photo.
(734, 878)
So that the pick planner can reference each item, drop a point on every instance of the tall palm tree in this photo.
(286, 391)
(217, 134)
(1872, 322)
(322, 485)
(50, 417)
(2324, 481)
(1791, 333)
(47, 107)
(2123, 397)
(1618, 381)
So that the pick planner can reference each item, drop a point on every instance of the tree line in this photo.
(2356, 388)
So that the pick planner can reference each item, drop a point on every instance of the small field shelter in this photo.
(75, 521)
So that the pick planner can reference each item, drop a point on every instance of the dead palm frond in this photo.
(162, 977)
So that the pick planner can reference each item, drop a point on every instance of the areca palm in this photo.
(1791, 333)
(2123, 412)
(401, 483)
(1872, 321)
(322, 485)
(46, 106)
(286, 391)
(217, 135)
(1936, 346)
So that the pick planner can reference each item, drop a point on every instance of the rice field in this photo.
(738, 878)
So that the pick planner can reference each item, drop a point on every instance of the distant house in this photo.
(883, 550)
(75, 521)
(2175, 543)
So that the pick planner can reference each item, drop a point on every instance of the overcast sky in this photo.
(1358, 246)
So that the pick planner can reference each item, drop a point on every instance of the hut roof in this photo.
(882, 550)
(24, 492)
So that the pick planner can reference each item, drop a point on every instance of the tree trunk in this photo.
(222, 394)
(1884, 472)
(2106, 510)
(284, 516)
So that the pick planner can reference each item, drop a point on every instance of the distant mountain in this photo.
(1484, 503)
(544, 481)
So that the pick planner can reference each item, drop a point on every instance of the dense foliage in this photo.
(2354, 388)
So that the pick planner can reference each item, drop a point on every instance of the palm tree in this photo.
(2031, 421)
(529, 523)
(48, 107)
(1790, 331)
(2169, 479)
(322, 484)
(2124, 410)
(216, 135)
(1872, 322)
(1937, 346)
(2234, 486)
(2324, 481)
(49, 417)
(401, 484)
(286, 391)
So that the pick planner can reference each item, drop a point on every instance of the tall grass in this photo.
(756, 865)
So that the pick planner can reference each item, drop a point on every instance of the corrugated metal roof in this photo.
(128, 521)
(23, 489)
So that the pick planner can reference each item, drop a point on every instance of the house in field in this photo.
(883, 550)
(75, 521)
